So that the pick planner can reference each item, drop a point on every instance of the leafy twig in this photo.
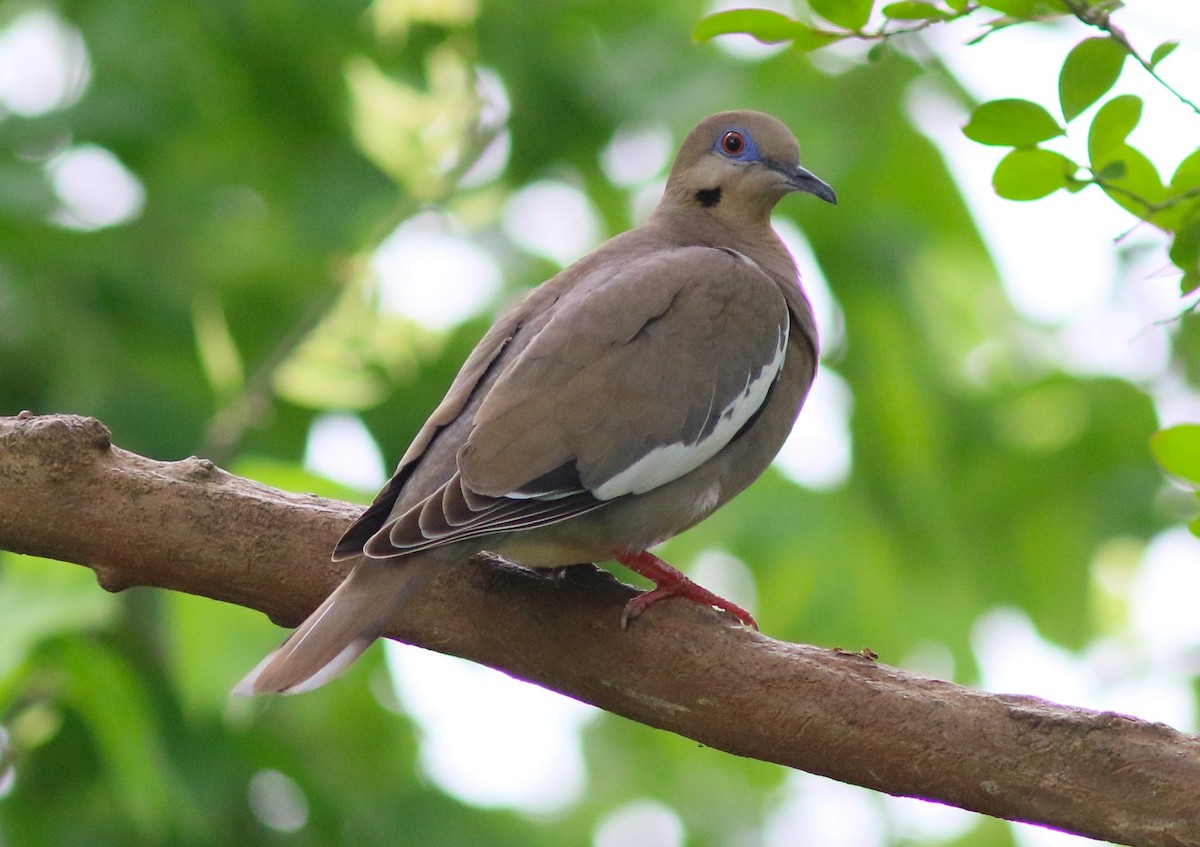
(1101, 18)
(1152, 208)
(883, 33)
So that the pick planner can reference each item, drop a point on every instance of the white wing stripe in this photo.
(671, 461)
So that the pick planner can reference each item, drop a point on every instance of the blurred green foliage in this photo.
(278, 143)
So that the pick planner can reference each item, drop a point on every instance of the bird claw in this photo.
(692, 592)
(669, 582)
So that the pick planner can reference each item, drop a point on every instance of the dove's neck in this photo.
(703, 227)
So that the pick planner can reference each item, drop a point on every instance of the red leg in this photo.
(668, 582)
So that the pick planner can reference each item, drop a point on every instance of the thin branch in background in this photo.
(1101, 18)
(884, 34)
(230, 423)
(1173, 319)
(236, 416)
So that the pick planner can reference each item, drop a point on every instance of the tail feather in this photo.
(336, 634)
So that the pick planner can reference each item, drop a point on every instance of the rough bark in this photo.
(66, 493)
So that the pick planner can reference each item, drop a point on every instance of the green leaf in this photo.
(1184, 208)
(39, 599)
(1011, 123)
(105, 691)
(1016, 8)
(1137, 183)
(1115, 120)
(215, 347)
(851, 14)
(1032, 174)
(1177, 217)
(1185, 249)
(1130, 177)
(1189, 283)
(1089, 71)
(1187, 175)
(1122, 167)
(914, 10)
(808, 39)
(766, 26)
(1029, 10)
(958, 5)
(1161, 52)
(1177, 450)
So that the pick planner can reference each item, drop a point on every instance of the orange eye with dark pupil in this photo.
(733, 143)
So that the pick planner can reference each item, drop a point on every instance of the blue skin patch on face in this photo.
(748, 151)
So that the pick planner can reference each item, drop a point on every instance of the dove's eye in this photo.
(733, 142)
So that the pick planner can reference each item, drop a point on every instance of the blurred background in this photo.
(268, 233)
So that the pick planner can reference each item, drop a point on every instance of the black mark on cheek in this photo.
(709, 197)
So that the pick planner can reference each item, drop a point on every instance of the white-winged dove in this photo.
(616, 405)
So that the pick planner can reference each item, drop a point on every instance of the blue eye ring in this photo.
(737, 144)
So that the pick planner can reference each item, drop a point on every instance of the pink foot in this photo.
(669, 582)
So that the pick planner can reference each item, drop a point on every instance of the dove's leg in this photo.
(669, 582)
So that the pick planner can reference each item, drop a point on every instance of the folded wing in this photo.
(633, 382)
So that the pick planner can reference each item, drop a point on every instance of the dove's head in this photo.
(738, 165)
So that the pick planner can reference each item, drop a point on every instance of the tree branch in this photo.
(66, 493)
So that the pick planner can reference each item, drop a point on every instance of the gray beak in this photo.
(801, 180)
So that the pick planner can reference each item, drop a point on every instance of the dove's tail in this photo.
(337, 633)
